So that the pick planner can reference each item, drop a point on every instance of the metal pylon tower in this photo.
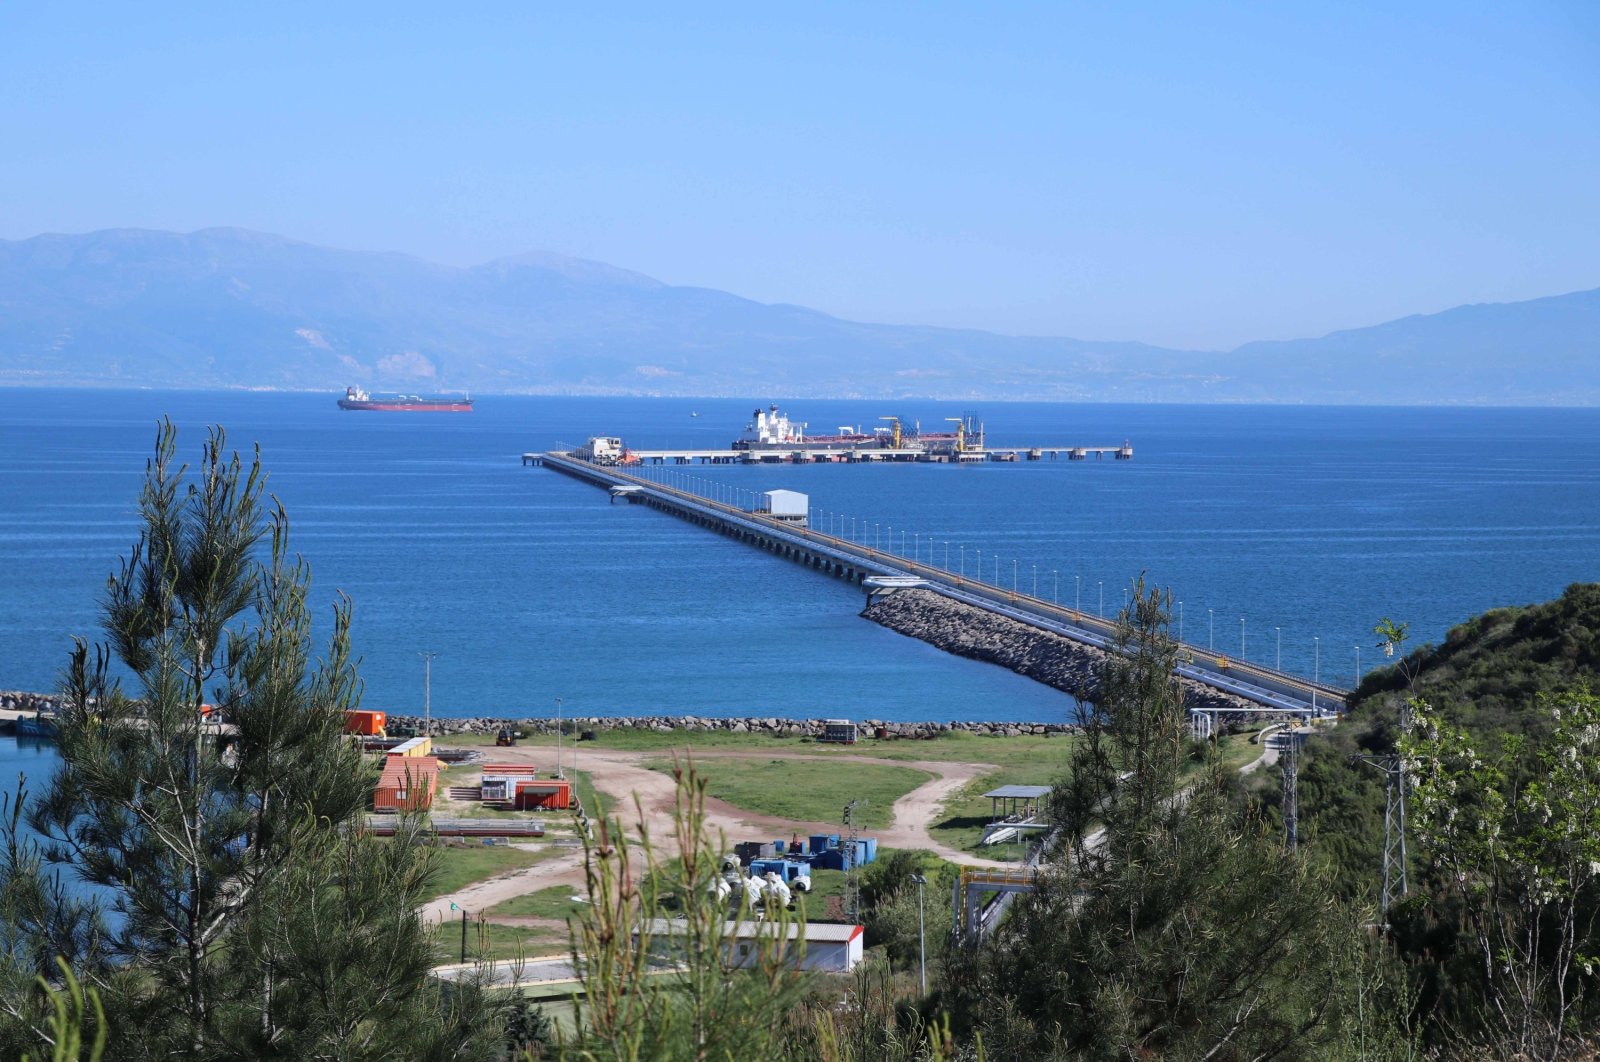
(1394, 833)
(1289, 762)
(852, 872)
(1393, 884)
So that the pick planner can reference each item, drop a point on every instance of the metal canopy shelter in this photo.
(1017, 800)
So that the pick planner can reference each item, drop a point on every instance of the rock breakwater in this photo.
(1041, 655)
(771, 726)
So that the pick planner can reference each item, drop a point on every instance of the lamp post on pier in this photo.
(1241, 638)
(1180, 621)
(1101, 610)
(1316, 669)
(1279, 666)
(1013, 575)
(1077, 594)
(1211, 630)
(963, 555)
(427, 691)
(1358, 665)
(1035, 580)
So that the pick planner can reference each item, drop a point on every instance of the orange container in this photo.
(551, 795)
(367, 724)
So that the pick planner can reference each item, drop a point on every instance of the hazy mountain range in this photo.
(227, 308)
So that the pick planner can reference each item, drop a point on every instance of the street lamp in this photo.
(1316, 669)
(558, 739)
(919, 881)
(1211, 630)
(1055, 589)
(1241, 638)
(1013, 575)
(1101, 611)
(427, 692)
(1077, 594)
(1280, 648)
(1180, 621)
(963, 556)
(1358, 665)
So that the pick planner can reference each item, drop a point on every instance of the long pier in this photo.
(877, 571)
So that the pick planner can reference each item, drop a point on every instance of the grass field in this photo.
(553, 902)
(495, 941)
(461, 865)
(806, 792)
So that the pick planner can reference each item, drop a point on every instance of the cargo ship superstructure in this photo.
(356, 398)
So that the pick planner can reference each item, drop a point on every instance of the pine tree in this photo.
(1168, 927)
(213, 809)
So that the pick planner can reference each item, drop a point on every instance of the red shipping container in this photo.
(548, 795)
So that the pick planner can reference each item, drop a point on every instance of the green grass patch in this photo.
(553, 902)
(457, 866)
(491, 940)
(806, 792)
(599, 805)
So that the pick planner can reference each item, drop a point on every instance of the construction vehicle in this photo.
(506, 737)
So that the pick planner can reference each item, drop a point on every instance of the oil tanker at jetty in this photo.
(772, 438)
(771, 429)
(356, 398)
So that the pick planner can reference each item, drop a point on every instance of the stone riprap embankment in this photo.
(767, 725)
(22, 701)
(1041, 655)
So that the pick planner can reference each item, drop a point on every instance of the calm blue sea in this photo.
(1306, 523)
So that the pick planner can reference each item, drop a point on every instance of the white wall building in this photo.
(829, 947)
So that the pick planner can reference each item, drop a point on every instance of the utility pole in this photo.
(852, 877)
(1394, 882)
(427, 691)
(558, 739)
(919, 880)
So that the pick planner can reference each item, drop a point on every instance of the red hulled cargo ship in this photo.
(356, 398)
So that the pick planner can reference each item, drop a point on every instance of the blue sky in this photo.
(1185, 174)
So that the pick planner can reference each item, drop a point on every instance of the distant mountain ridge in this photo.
(230, 308)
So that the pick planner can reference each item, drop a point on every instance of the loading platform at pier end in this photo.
(863, 455)
(1268, 691)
